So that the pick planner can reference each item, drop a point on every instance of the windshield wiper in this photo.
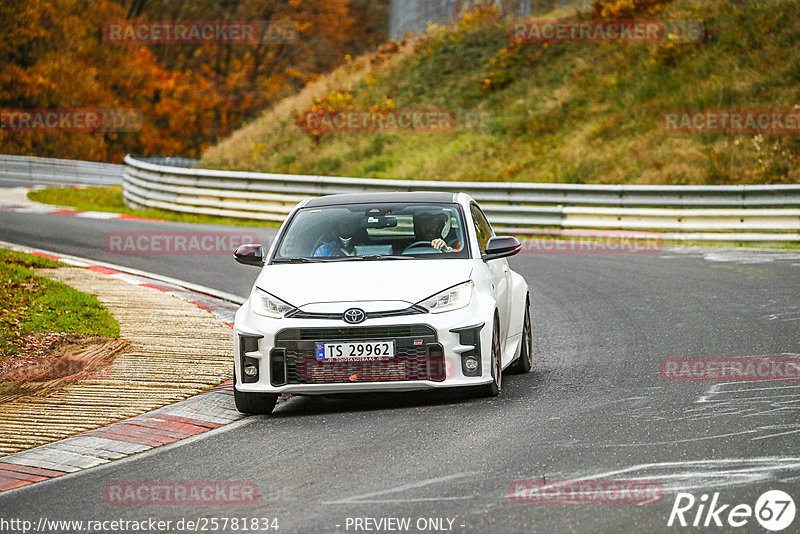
(370, 257)
(297, 260)
(386, 257)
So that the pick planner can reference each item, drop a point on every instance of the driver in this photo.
(429, 228)
(342, 244)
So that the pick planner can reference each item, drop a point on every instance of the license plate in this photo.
(358, 351)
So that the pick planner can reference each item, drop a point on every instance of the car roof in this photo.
(369, 198)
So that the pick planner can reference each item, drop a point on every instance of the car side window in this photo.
(482, 227)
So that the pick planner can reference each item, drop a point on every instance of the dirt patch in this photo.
(48, 362)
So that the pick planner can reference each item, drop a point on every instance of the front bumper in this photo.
(431, 352)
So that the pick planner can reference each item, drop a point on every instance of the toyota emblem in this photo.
(354, 316)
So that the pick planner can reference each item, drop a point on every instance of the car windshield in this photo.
(381, 231)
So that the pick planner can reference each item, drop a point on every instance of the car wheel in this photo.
(493, 389)
(253, 403)
(524, 363)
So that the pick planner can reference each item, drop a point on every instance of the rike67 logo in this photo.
(774, 510)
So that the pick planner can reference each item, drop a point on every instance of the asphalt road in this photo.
(595, 407)
(87, 238)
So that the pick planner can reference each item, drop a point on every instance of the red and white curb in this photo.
(141, 433)
(181, 420)
(55, 210)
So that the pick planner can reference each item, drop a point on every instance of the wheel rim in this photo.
(496, 370)
(528, 337)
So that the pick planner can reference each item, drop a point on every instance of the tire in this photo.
(524, 363)
(253, 403)
(493, 389)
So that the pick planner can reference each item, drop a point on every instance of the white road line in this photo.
(736, 470)
(96, 215)
(397, 501)
(775, 435)
(412, 485)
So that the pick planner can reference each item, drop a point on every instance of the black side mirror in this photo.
(250, 254)
(501, 247)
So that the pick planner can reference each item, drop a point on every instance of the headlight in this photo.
(262, 303)
(450, 299)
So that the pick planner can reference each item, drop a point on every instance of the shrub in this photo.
(620, 9)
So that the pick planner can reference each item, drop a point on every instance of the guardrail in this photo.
(741, 213)
(58, 171)
(699, 213)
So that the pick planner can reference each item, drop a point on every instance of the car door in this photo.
(498, 269)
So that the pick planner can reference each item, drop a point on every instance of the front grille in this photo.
(413, 310)
(422, 361)
(355, 333)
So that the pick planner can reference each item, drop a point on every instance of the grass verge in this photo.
(567, 112)
(109, 199)
(32, 304)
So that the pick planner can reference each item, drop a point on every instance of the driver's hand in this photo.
(439, 244)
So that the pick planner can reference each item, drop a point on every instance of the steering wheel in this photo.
(422, 244)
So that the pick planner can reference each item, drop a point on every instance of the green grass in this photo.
(32, 304)
(109, 199)
(563, 112)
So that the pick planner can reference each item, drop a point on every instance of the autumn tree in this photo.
(54, 55)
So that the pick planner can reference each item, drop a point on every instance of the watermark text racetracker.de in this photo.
(71, 119)
(393, 120)
(233, 32)
(731, 121)
(609, 31)
(176, 243)
(585, 492)
(730, 369)
(595, 242)
(13, 370)
(181, 493)
(360, 369)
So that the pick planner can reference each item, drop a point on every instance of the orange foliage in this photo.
(53, 56)
(620, 9)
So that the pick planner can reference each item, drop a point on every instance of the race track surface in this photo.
(595, 406)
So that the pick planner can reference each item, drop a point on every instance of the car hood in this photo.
(407, 281)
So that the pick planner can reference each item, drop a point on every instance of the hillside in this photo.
(575, 112)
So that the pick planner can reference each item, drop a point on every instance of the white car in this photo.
(380, 292)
